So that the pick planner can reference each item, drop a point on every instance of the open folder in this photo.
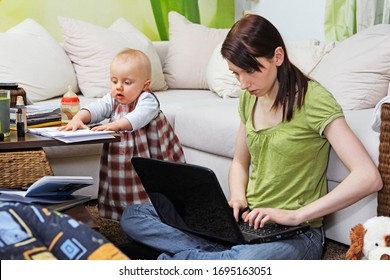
(50, 190)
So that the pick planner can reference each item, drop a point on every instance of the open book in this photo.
(72, 136)
(50, 190)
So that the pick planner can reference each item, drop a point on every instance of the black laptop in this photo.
(189, 197)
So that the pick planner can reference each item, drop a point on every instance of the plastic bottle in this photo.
(21, 117)
(70, 105)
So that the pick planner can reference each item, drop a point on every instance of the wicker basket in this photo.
(19, 169)
(384, 162)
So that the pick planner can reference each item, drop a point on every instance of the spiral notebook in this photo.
(189, 197)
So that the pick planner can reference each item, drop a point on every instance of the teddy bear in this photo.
(370, 240)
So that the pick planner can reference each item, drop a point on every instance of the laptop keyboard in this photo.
(268, 229)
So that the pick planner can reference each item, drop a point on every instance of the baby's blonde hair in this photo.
(135, 57)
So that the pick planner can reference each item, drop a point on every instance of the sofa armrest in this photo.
(384, 161)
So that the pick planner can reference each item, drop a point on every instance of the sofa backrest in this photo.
(161, 48)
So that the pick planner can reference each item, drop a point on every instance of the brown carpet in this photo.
(112, 231)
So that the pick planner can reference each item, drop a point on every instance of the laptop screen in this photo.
(188, 197)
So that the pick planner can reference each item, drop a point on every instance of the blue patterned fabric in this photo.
(30, 232)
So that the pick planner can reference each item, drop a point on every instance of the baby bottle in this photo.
(70, 105)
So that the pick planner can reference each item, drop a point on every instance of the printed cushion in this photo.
(32, 232)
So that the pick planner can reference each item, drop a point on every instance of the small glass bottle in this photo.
(70, 105)
(21, 117)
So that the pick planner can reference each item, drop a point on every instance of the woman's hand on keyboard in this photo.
(259, 216)
(237, 206)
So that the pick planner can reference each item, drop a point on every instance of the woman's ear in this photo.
(279, 56)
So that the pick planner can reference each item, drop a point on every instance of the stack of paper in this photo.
(38, 116)
(72, 136)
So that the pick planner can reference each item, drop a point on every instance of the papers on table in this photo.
(36, 111)
(72, 136)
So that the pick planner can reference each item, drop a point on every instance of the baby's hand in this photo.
(73, 125)
(106, 126)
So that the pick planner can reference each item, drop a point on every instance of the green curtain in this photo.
(340, 19)
(188, 8)
(223, 16)
(371, 12)
(343, 18)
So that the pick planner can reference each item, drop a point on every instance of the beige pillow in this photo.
(31, 57)
(189, 51)
(219, 78)
(92, 48)
(307, 54)
(357, 71)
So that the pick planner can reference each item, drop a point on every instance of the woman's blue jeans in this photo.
(142, 224)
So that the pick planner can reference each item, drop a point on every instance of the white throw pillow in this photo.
(307, 54)
(219, 78)
(189, 51)
(91, 48)
(31, 57)
(357, 71)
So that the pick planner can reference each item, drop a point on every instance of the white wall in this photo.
(295, 19)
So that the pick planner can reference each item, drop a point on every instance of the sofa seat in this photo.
(176, 100)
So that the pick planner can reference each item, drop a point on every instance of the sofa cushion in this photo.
(57, 101)
(357, 70)
(92, 48)
(174, 100)
(190, 48)
(307, 54)
(219, 78)
(210, 128)
(31, 57)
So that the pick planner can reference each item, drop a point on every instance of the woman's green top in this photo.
(289, 160)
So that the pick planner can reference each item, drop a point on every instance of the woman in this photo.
(288, 123)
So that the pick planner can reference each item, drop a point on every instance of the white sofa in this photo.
(204, 114)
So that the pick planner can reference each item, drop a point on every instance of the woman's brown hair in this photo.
(254, 36)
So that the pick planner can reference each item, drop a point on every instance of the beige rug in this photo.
(112, 230)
